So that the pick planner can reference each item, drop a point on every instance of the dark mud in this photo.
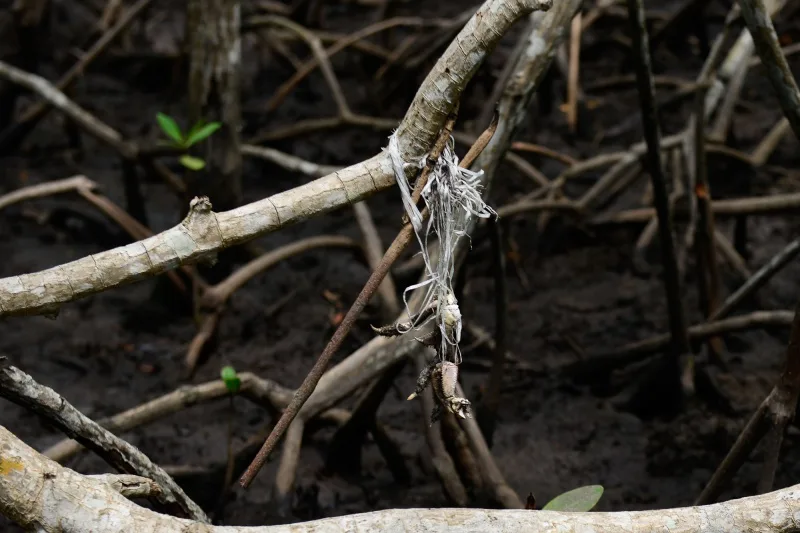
(115, 350)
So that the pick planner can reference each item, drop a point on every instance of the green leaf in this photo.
(170, 127)
(232, 381)
(200, 132)
(192, 163)
(577, 500)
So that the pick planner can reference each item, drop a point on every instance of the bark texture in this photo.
(41, 495)
(214, 95)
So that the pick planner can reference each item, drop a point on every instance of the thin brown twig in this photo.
(286, 88)
(543, 151)
(679, 344)
(49, 188)
(766, 42)
(16, 133)
(754, 205)
(757, 280)
(708, 277)
(86, 188)
(213, 299)
(636, 350)
(573, 73)
(315, 125)
(772, 416)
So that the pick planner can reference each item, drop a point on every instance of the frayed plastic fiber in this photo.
(451, 195)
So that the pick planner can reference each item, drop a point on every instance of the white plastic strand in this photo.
(450, 195)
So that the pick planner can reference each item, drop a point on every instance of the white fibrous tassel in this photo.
(452, 194)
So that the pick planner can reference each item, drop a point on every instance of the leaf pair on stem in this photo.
(200, 131)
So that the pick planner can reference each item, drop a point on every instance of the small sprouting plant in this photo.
(198, 132)
(231, 379)
(578, 500)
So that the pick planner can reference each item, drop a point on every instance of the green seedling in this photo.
(200, 131)
(231, 379)
(577, 500)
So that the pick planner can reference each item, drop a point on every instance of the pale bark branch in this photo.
(129, 485)
(23, 390)
(39, 494)
(263, 392)
(204, 232)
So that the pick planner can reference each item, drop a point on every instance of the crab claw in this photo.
(460, 407)
(411, 396)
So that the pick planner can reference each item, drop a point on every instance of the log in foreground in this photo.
(41, 495)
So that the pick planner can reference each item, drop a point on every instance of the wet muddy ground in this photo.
(118, 349)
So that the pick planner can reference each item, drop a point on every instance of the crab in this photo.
(443, 377)
(451, 326)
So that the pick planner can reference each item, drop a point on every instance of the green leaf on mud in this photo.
(577, 500)
(170, 127)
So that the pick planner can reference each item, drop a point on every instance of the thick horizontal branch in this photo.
(204, 232)
(197, 237)
(39, 494)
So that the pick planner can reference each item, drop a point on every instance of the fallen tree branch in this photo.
(753, 205)
(634, 351)
(23, 390)
(86, 188)
(757, 280)
(263, 392)
(42, 495)
(50, 188)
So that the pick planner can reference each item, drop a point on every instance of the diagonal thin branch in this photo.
(372, 285)
(759, 23)
(17, 131)
(23, 390)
